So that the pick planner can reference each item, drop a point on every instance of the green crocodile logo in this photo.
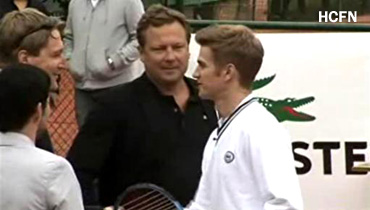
(284, 110)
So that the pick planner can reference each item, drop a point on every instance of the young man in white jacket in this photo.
(248, 161)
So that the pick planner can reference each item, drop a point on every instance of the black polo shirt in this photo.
(140, 135)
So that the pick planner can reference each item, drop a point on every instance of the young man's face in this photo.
(166, 53)
(51, 57)
(209, 78)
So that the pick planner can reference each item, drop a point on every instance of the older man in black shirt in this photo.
(156, 126)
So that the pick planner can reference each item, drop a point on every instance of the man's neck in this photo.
(171, 88)
(179, 90)
(229, 101)
(21, 4)
(29, 131)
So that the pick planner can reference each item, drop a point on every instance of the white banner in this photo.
(319, 85)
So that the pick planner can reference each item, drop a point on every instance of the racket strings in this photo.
(140, 197)
(151, 200)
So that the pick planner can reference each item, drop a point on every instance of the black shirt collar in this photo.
(149, 85)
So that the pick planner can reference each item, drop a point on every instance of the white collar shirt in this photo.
(34, 179)
(248, 164)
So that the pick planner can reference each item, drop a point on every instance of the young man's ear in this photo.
(230, 71)
(22, 56)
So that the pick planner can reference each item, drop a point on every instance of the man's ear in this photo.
(23, 56)
(141, 51)
(37, 116)
(230, 71)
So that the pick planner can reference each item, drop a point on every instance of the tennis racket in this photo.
(146, 197)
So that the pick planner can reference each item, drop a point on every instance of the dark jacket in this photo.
(8, 6)
(141, 136)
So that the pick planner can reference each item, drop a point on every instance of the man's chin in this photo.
(171, 79)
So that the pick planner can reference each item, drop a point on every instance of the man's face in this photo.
(166, 53)
(209, 77)
(51, 57)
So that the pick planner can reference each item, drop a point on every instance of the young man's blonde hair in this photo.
(235, 44)
(157, 16)
(29, 30)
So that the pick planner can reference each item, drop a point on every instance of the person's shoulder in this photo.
(257, 119)
(5, 7)
(59, 164)
(265, 115)
(129, 2)
(45, 161)
(53, 164)
(123, 92)
(46, 156)
(6, 3)
(192, 84)
(75, 6)
(256, 111)
(57, 173)
(121, 97)
(254, 117)
(120, 90)
(190, 81)
(37, 4)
